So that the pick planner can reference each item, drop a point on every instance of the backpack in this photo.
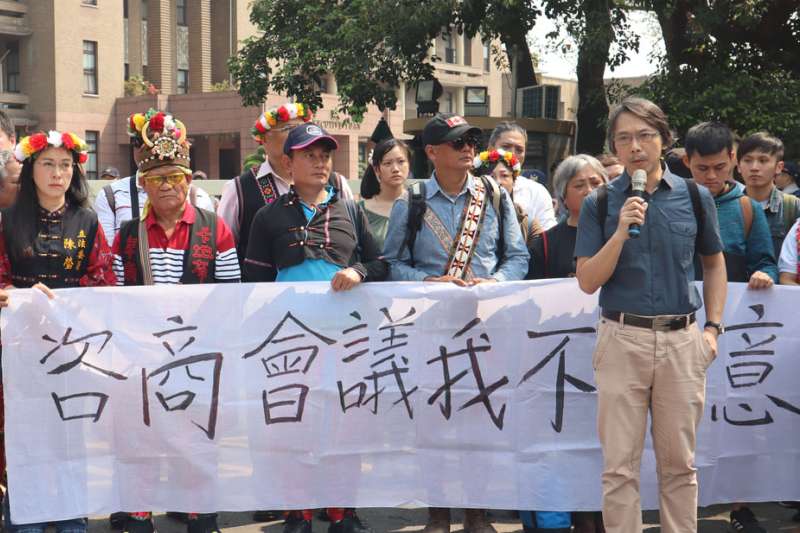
(417, 208)
(694, 195)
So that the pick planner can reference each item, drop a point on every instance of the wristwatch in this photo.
(716, 325)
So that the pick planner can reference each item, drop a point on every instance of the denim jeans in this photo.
(77, 525)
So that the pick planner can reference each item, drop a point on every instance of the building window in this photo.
(144, 9)
(89, 2)
(467, 51)
(363, 154)
(552, 98)
(180, 11)
(486, 57)
(90, 67)
(125, 9)
(447, 103)
(450, 49)
(183, 82)
(11, 69)
(91, 164)
(127, 72)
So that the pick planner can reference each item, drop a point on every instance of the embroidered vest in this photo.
(60, 253)
(198, 258)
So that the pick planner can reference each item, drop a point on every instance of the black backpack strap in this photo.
(697, 208)
(416, 212)
(134, 190)
(602, 209)
(112, 203)
(355, 219)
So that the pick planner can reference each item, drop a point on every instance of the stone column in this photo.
(161, 44)
(199, 18)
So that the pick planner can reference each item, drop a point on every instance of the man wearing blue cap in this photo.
(307, 235)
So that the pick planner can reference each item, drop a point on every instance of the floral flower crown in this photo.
(164, 138)
(485, 159)
(33, 144)
(269, 119)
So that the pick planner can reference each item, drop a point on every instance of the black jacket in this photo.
(280, 237)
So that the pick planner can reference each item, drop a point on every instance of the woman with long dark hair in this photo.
(50, 239)
(383, 183)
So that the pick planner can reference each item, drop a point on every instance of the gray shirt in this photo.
(655, 273)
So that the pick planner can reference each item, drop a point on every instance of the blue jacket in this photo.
(757, 248)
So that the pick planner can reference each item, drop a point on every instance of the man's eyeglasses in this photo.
(171, 179)
(643, 137)
(466, 140)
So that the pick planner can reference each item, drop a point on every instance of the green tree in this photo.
(735, 62)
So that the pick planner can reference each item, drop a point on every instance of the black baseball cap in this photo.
(791, 168)
(446, 127)
(110, 171)
(305, 135)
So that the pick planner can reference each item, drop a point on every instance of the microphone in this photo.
(638, 184)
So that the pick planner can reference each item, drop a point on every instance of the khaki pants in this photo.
(639, 370)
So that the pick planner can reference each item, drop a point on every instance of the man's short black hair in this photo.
(762, 142)
(6, 125)
(708, 138)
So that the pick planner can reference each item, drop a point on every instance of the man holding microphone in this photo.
(651, 356)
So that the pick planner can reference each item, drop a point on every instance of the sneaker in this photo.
(202, 523)
(351, 523)
(295, 523)
(744, 521)
(117, 520)
(134, 524)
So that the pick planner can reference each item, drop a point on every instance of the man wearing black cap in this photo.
(455, 228)
(788, 178)
(451, 196)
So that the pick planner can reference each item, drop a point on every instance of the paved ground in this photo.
(775, 519)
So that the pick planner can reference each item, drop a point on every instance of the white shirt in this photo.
(787, 262)
(534, 199)
(111, 221)
(228, 208)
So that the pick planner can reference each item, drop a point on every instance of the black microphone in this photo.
(638, 185)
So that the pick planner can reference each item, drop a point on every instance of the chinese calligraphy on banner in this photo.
(235, 397)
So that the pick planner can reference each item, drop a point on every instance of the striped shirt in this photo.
(167, 253)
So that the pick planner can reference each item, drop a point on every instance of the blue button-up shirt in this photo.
(654, 273)
(430, 258)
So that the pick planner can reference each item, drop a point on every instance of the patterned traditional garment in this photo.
(70, 250)
(200, 250)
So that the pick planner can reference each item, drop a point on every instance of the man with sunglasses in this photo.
(172, 242)
(125, 198)
(466, 233)
(244, 195)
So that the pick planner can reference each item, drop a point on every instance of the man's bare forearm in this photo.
(715, 286)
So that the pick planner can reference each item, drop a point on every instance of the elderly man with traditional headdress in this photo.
(172, 242)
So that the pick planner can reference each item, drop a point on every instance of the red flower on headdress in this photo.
(260, 127)
(494, 156)
(131, 123)
(67, 141)
(83, 157)
(38, 141)
(157, 122)
(283, 114)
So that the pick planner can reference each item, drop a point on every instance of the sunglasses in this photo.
(466, 140)
(172, 179)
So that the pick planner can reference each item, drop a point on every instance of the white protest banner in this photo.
(268, 396)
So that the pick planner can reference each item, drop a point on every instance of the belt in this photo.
(657, 323)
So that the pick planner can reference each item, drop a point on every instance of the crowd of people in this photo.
(476, 219)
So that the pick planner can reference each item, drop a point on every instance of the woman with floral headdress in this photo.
(51, 240)
(505, 168)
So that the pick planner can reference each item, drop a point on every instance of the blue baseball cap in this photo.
(305, 135)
